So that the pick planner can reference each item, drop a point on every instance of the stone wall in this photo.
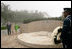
(46, 25)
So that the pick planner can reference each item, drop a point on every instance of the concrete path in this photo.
(10, 41)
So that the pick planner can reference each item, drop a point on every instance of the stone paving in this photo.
(41, 39)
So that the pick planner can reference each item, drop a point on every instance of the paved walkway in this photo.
(10, 41)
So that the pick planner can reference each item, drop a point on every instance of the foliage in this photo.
(23, 16)
(6, 13)
(3, 27)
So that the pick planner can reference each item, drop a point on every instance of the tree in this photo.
(6, 13)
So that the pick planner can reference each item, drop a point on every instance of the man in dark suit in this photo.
(66, 30)
(9, 28)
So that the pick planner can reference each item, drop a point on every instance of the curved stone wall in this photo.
(45, 25)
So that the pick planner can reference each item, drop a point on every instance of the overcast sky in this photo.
(53, 8)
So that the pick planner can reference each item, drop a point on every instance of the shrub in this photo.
(3, 27)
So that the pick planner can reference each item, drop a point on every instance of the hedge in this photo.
(3, 27)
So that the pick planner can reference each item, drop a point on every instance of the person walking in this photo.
(16, 28)
(9, 28)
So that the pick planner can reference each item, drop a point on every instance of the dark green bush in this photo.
(3, 27)
(28, 20)
(35, 19)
